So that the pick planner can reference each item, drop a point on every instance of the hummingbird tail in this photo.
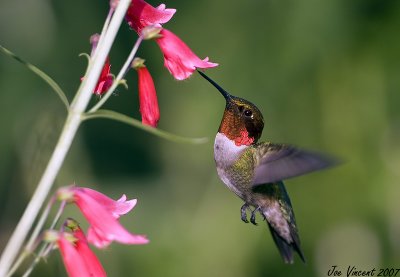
(285, 248)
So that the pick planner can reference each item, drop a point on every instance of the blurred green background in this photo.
(324, 73)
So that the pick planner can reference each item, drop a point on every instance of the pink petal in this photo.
(92, 262)
(117, 208)
(98, 240)
(148, 98)
(141, 14)
(101, 240)
(103, 223)
(105, 79)
(179, 59)
(73, 262)
(123, 206)
(103, 85)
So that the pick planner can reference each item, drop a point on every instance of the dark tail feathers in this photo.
(285, 248)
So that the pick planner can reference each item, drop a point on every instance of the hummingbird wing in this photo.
(276, 162)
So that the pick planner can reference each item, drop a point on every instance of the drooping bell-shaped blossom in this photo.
(79, 260)
(141, 14)
(179, 59)
(147, 95)
(102, 215)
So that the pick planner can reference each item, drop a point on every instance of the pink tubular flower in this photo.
(147, 97)
(141, 14)
(78, 259)
(102, 213)
(179, 59)
(105, 79)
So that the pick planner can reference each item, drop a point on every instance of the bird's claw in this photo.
(243, 212)
(253, 216)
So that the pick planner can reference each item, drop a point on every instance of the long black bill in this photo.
(224, 93)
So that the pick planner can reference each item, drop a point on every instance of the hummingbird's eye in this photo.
(248, 113)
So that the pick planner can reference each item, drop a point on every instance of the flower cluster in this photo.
(102, 214)
(179, 59)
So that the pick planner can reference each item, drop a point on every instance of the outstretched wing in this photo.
(276, 162)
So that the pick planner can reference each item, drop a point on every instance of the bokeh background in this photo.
(324, 73)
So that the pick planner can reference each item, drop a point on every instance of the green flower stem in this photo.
(105, 26)
(136, 123)
(29, 248)
(33, 241)
(68, 133)
(43, 251)
(39, 225)
(19, 261)
(42, 190)
(119, 77)
(41, 74)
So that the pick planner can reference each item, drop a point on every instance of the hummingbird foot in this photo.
(243, 213)
(253, 215)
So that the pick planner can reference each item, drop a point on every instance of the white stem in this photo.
(39, 225)
(30, 246)
(68, 133)
(42, 253)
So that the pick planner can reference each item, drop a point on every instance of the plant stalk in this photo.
(70, 128)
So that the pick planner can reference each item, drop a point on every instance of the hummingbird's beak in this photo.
(224, 93)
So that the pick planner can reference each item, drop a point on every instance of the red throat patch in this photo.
(244, 139)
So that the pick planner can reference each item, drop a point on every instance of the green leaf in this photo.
(41, 74)
(136, 123)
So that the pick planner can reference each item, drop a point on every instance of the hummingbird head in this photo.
(242, 121)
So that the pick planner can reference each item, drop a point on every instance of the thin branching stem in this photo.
(56, 88)
(121, 74)
(29, 248)
(70, 128)
(136, 123)
(44, 249)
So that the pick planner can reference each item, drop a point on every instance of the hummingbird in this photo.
(254, 170)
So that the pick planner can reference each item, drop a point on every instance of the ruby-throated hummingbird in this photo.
(254, 170)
